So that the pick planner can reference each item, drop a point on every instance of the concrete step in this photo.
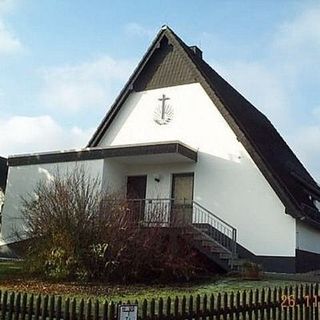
(190, 233)
(213, 245)
(225, 256)
(204, 229)
(238, 262)
(217, 250)
(201, 237)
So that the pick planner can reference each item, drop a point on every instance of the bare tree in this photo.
(80, 232)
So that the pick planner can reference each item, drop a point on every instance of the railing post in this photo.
(234, 246)
(140, 211)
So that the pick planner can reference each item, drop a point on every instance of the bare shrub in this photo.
(80, 233)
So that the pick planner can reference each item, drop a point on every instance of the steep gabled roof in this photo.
(169, 61)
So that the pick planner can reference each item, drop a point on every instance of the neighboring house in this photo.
(181, 136)
(3, 181)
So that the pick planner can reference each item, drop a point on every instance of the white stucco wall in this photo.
(227, 181)
(308, 238)
(21, 182)
(114, 177)
(161, 189)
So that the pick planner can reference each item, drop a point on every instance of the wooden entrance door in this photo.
(136, 194)
(182, 195)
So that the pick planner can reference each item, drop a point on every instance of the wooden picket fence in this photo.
(298, 302)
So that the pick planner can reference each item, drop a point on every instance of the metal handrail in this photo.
(218, 229)
(212, 214)
(152, 211)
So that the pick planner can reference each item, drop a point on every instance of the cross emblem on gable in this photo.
(163, 106)
(164, 112)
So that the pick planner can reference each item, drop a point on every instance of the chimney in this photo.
(196, 51)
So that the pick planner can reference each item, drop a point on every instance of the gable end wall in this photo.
(227, 181)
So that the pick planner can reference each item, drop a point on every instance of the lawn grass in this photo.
(209, 287)
(10, 270)
(12, 278)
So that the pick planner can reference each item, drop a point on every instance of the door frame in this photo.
(136, 176)
(137, 205)
(183, 174)
(176, 208)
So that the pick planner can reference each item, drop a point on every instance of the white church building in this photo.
(179, 134)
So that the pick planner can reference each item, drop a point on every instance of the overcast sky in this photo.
(63, 62)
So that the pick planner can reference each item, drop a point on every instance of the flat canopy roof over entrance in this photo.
(173, 151)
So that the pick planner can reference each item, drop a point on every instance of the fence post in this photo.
(66, 311)
(153, 309)
(279, 304)
(37, 309)
(198, 305)
(11, 306)
(88, 316)
(268, 304)
(256, 304)
(307, 294)
(316, 297)
(225, 306)
(81, 309)
(250, 304)
(190, 308)
(73, 315)
(17, 307)
(285, 310)
(96, 310)
(219, 305)
(58, 313)
(168, 309)
(24, 306)
(204, 305)
(244, 304)
(30, 307)
(296, 294)
(51, 307)
(231, 305)
(44, 307)
(176, 308)
(112, 311)
(290, 293)
(238, 305)
(144, 309)
(105, 311)
(183, 306)
(262, 304)
(212, 309)
(160, 308)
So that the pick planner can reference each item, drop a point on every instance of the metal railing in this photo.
(215, 227)
(169, 212)
(151, 211)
